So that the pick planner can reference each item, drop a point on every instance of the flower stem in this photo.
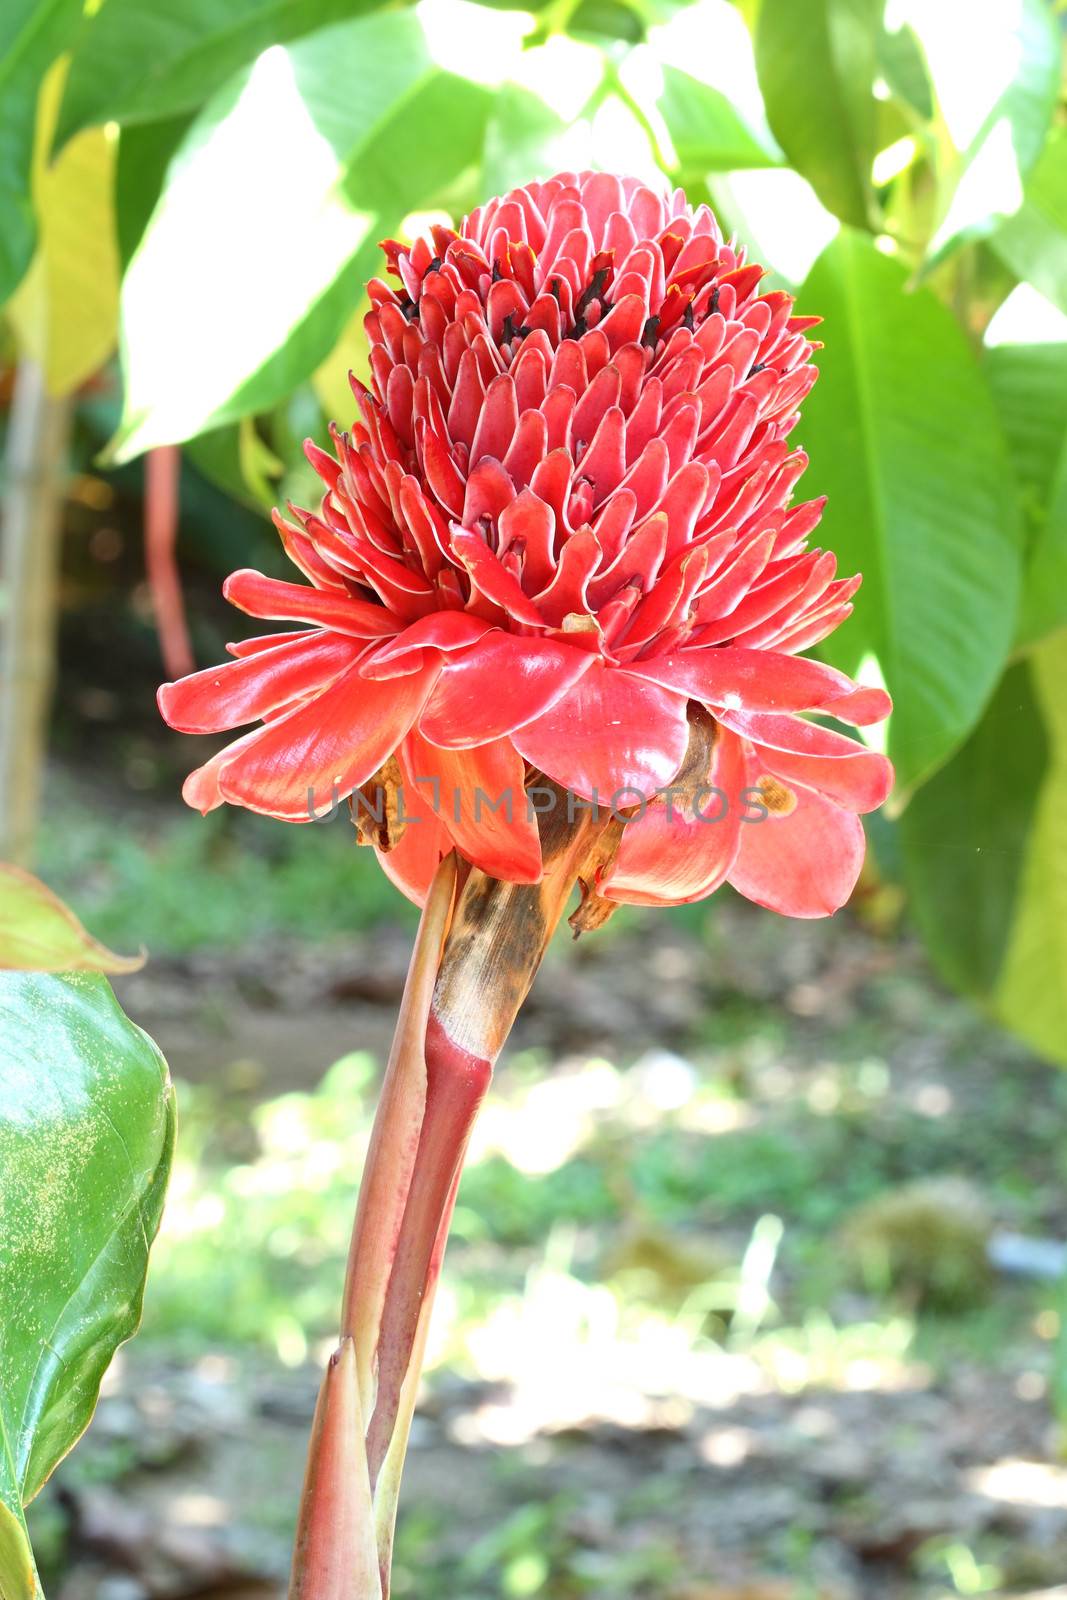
(479, 945)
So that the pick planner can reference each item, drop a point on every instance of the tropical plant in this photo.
(208, 189)
(204, 186)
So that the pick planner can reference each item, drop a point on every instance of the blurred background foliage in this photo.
(201, 187)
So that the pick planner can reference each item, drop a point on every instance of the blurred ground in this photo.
(674, 1357)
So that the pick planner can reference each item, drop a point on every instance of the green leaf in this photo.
(139, 61)
(18, 1575)
(1031, 996)
(1033, 243)
(523, 135)
(86, 1134)
(145, 151)
(903, 66)
(817, 70)
(707, 133)
(965, 834)
(65, 310)
(38, 933)
(1029, 385)
(270, 215)
(32, 35)
(904, 438)
(995, 100)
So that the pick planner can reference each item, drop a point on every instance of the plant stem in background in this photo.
(34, 471)
(162, 476)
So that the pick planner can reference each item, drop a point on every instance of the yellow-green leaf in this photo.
(38, 933)
(65, 311)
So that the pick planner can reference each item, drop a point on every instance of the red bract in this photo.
(562, 522)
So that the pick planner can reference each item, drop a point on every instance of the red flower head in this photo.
(559, 540)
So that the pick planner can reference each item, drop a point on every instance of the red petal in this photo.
(682, 851)
(760, 680)
(840, 768)
(858, 780)
(201, 788)
(318, 753)
(412, 862)
(441, 630)
(804, 864)
(480, 797)
(244, 690)
(611, 733)
(260, 596)
(505, 681)
(492, 579)
(267, 641)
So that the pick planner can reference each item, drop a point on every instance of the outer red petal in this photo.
(201, 788)
(246, 689)
(840, 768)
(610, 734)
(260, 596)
(318, 753)
(682, 851)
(480, 797)
(763, 680)
(804, 864)
(505, 681)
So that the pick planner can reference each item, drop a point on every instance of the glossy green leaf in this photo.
(32, 34)
(1031, 996)
(904, 439)
(270, 215)
(707, 133)
(995, 98)
(139, 61)
(86, 1133)
(1033, 243)
(965, 834)
(817, 69)
(1029, 384)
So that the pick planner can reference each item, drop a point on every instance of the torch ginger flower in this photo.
(561, 527)
(556, 554)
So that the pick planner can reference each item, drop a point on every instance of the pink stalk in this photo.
(162, 471)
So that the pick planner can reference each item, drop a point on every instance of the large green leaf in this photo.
(32, 35)
(1029, 384)
(817, 68)
(145, 152)
(904, 438)
(1034, 242)
(995, 98)
(965, 834)
(138, 60)
(86, 1132)
(1031, 996)
(270, 214)
(707, 133)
